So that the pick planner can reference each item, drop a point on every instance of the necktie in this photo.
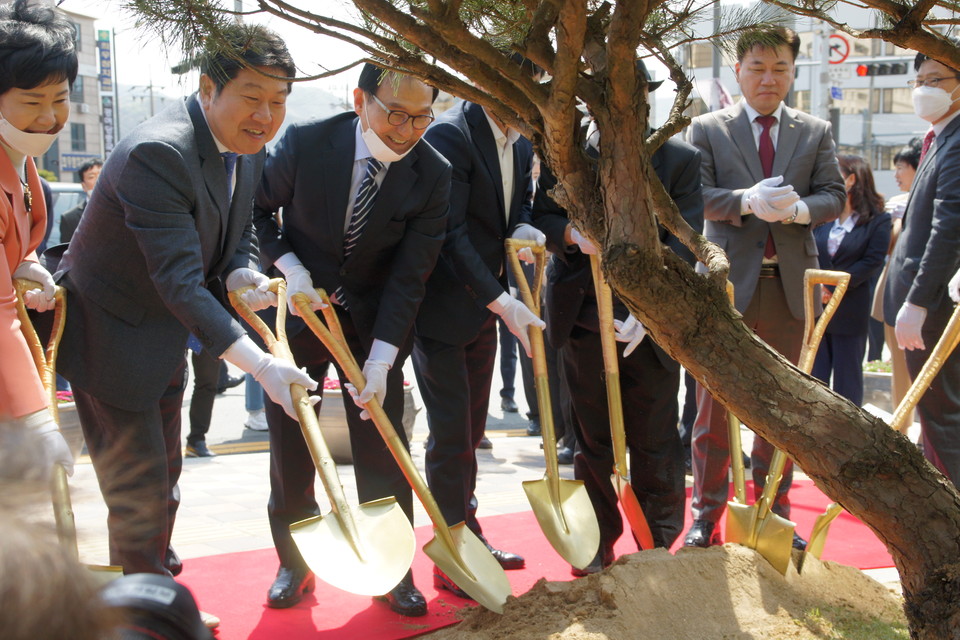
(927, 141)
(230, 164)
(366, 196)
(766, 162)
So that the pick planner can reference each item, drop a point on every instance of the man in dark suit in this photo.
(364, 214)
(159, 232)
(915, 298)
(649, 378)
(456, 330)
(88, 173)
(769, 177)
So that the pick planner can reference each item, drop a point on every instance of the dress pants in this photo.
(649, 392)
(770, 318)
(508, 360)
(137, 457)
(842, 356)
(939, 407)
(206, 379)
(454, 381)
(292, 471)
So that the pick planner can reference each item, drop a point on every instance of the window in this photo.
(78, 137)
(854, 101)
(897, 100)
(76, 34)
(801, 101)
(701, 55)
(76, 94)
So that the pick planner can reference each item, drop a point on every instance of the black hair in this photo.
(86, 166)
(910, 153)
(525, 64)
(37, 47)
(922, 57)
(244, 46)
(769, 38)
(863, 196)
(372, 77)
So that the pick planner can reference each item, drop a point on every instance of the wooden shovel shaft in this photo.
(309, 425)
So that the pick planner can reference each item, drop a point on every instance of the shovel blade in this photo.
(821, 528)
(741, 522)
(568, 521)
(471, 567)
(633, 512)
(370, 566)
(104, 574)
(775, 541)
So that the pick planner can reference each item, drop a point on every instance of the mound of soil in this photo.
(727, 592)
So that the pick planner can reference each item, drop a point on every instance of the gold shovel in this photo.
(757, 526)
(46, 363)
(562, 507)
(456, 550)
(365, 550)
(628, 499)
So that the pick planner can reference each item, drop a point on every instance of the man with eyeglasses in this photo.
(456, 330)
(364, 216)
(915, 297)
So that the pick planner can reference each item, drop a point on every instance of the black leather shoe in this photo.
(799, 543)
(601, 561)
(442, 581)
(485, 443)
(565, 455)
(702, 534)
(199, 449)
(509, 561)
(229, 383)
(747, 461)
(406, 599)
(289, 587)
(508, 405)
(533, 428)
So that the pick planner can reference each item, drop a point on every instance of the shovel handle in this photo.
(736, 444)
(945, 346)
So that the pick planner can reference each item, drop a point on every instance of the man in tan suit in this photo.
(769, 175)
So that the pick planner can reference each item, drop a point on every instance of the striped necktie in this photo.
(230, 165)
(366, 196)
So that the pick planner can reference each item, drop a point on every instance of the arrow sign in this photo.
(839, 48)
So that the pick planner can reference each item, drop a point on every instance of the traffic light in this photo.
(882, 69)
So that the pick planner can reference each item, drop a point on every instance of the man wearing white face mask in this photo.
(916, 298)
(364, 217)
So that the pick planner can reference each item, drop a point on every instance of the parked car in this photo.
(66, 195)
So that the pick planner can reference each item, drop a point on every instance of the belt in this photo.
(770, 271)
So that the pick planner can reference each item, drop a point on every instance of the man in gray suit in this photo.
(915, 298)
(143, 270)
(769, 176)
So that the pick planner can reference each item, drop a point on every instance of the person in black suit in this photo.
(456, 330)
(364, 215)
(856, 242)
(88, 173)
(649, 378)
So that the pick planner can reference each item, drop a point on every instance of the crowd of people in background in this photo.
(400, 214)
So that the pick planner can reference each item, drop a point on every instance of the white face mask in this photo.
(377, 147)
(931, 103)
(29, 144)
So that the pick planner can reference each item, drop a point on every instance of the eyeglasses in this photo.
(929, 82)
(397, 118)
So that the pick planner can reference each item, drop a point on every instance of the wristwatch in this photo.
(793, 218)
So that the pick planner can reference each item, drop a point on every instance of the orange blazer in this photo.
(21, 231)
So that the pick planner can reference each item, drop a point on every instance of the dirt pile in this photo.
(727, 592)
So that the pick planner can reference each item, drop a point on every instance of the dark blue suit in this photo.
(861, 254)
(456, 338)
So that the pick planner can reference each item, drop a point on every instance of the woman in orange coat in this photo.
(38, 65)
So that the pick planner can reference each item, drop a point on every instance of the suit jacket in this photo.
(926, 255)
(308, 174)
(861, 254)
(805, 157)
(69, 222)
(570, 295)
(471, 271)
(158, 230)
(21, 232)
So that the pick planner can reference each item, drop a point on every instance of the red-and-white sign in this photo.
(839, 48)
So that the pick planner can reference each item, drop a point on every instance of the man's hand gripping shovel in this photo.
(46, 363)
(757, 526)
(365, 550)
(562, 507)
(456, 550)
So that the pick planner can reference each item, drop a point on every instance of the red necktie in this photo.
(766, 162)
(927, 141)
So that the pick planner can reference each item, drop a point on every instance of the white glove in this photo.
(954, 287)
(773, 195)
(586, 247)
(274, 374)
(767, 213)
(630, 331)
(258, 298)
(55, 449)
(298, 281)
(530, 233)
(517, 317)
(37, 299)
(909, 323)
(375, 373)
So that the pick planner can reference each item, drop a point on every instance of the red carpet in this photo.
(234, 586)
